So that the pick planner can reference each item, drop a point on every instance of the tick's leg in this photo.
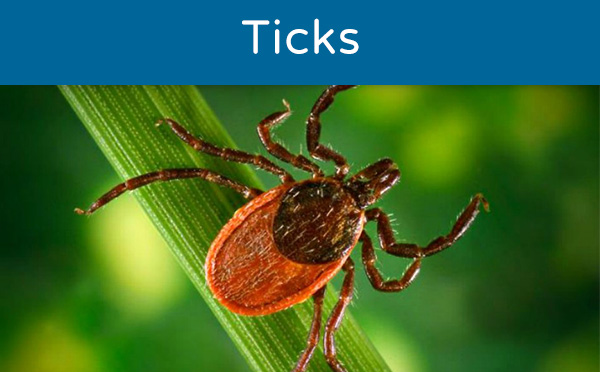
(280, 152)
(388, 242)
(227, 154)
(313, 334)
(396, 285)
(313, 131)
(167, 175)
(335, 319)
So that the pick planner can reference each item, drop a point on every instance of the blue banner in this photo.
(307, 42)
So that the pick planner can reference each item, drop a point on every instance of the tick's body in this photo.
(286, 244)
(283, 246)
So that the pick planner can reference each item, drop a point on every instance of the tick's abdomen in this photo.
(316, 222)
(247, 270)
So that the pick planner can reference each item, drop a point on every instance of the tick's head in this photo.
(371, 183)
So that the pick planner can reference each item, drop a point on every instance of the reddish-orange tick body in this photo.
(286, 244)
(283, 246)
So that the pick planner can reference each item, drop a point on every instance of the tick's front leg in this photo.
(313, 132)
(388, 242)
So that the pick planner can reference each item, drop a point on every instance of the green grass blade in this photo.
(190, 213)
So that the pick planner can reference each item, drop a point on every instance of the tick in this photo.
(286, 244)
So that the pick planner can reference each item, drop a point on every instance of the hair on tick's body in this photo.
(287, 243)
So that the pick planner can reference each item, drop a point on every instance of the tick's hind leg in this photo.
(462, 224)
(396, 285)
(227, 154)
(167, 175)
(277, 150)
(335, 319)
(313, 131)
(313, 334)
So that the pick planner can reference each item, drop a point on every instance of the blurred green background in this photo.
(520, 292)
